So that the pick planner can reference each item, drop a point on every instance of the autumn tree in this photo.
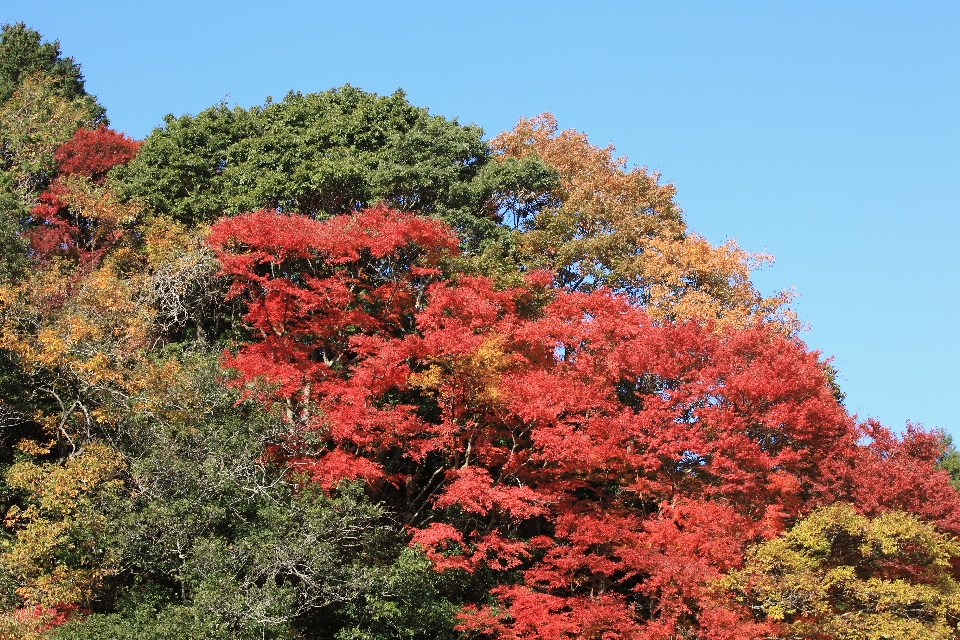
(57, 560)
(77, 217)
(891, 472)
(71, 332)
(607, 467)
(838, 574)
(42, 103)
(605, 224)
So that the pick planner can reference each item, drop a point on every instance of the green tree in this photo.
(327, 153)
(199, 535)
(22, 54)
(950, 461)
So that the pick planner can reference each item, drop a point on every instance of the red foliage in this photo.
(93, 152)
(312, 286)
(613, 466)
(888, 472)
(54, 233)
(57, 232)
(46, 618)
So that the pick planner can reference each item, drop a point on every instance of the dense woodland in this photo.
(336, 367)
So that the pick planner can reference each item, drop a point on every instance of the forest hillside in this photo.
(337, 367)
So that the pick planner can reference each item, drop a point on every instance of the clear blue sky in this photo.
(827, 133)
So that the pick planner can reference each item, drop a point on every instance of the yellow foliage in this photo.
(81, 338)
(691, 279)
(87, 328)
(618, 227)
(166, 239)
(58, 555)
(103, 218)
(430, 379)
(473, 380)
(83, 335)
(838, 574)
(32, 448)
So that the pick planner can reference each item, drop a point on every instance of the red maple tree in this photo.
(56, 230)
(608, 467)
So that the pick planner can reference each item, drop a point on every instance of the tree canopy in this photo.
(338, 368)
(42, 103)
(324, 154)
(23, 55)
(604, 224)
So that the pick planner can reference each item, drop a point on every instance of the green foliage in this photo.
(179, 171)
(950, 461)
(146, 623)
(42, 103)
(34, 121)
(326, 153)
(22, 54)
(213, 541)
(13, 248)
(838, 574)
(413, 602)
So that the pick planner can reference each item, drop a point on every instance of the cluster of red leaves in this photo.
(613, 466)
(39, 619)
(90, 153)
(93, 152)
(313, 286)
(887, 472)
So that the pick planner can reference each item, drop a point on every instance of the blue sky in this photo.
(827, 133)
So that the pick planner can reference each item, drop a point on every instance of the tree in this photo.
(57, 561)
(33, 123)
(950, 461)
(71, 329)
(902, 473)
(212, 540)
(322, 154)
(605, 466)
(77, 217)
(838, 574)
(606, 225)
(42, 103)
(22, 55)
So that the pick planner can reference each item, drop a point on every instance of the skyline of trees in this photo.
(335, 367)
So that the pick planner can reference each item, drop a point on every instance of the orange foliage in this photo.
(620, 228)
